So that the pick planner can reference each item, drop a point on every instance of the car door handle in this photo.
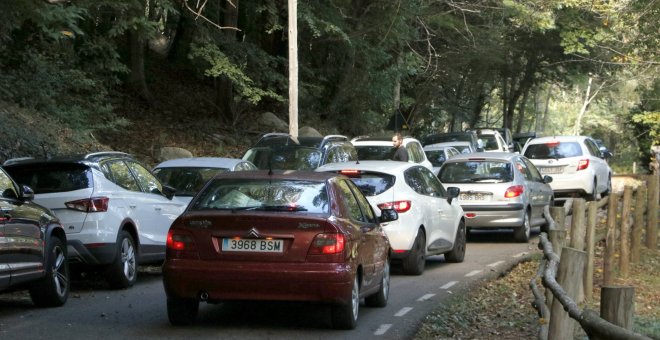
(132, 206)
(158, 208)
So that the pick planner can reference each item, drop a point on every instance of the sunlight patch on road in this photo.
(520, 254)
(495, 264)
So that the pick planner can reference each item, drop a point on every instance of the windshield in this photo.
(375, 152)
(46, 178)
(554, 150)
(481, 171)
(284, 158)
(436, 157)
(263, 194)
(187, 180)
(372, 184)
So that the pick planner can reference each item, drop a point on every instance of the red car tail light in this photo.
(327, 244)
(583, 164)
(514, 191)
(180, 244)
(351, 173)
(94, 204)
(399, 206)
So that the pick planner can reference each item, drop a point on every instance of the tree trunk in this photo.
(546, 110)
(224, 88)
(521, 112)
(137, 45)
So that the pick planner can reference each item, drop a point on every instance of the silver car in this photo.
(499, 190)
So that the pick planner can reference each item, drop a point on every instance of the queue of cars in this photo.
(315, 219)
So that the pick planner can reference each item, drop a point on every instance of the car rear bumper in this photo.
(580, 183)
(314, 282)
(91, 254)
(484, 216)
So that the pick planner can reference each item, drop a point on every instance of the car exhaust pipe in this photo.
(203, 296)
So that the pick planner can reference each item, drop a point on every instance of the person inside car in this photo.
(400, 153)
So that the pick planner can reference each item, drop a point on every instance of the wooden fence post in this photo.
(577, 224)
(569, 277)
(558, 239)
(559, 215)
(610, 240)
(652, 208)
(624, 251)
(617, 305)
(592, 215)
(638, 226)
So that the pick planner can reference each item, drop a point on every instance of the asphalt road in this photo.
(94, 311)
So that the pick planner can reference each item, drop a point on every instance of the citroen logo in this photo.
(253, 233)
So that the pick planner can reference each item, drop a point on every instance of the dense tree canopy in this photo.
(556, 66)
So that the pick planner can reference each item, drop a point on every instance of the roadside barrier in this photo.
(566, 272)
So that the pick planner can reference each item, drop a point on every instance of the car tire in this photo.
(379, 299)
(609, 186)
(122, 273)
(521, 234)
(594, 193)
(345, 316)
(182, 312)
(416, 261)
(457, 254)
(53, 289)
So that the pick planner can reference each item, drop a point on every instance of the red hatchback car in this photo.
(279, 235)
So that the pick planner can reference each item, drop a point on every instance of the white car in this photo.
(431, 220)
(491, 140)
(188, 175)
(437, 155)
(115, 213)
(575, 163)
(381, 148)
(462, 147)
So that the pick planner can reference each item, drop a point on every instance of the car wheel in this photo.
(345, 316)
(379, 299)
(182, 312)
(122, 273)
(594, 193)
(609, 186)
(53, 289)
(457, 254)
(416, 260)
(522, 233)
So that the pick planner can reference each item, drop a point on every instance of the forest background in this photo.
(134, 75)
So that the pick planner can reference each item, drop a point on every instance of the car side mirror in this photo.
(388, 215)
(27, 194)
(452, 192)
(547, 179)
(169, 191)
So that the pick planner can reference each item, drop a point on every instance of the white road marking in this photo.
(403, 311)
(449, 284)
(520, 254)
(473, 273)
(383, 329)
(495, 264)
(426, 297)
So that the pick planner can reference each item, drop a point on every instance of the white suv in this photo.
(575, 163)
(381, 148)
(115, 213)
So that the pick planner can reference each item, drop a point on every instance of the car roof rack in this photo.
(106, 154)
(16, 160)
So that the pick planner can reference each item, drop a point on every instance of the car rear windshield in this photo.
(477, 171)
(375, 152)
(554, 150)
(263, 195)
(52, 177)
(436, 157)
(284, 158)
(372, 184)
(187, 181)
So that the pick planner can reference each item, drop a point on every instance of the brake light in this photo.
(327, 244)
(180, 244)
(583, 164)
(470, 215)
(94, 204)
(514, 191)
(399, 206)
(350, 173)
(552, 143)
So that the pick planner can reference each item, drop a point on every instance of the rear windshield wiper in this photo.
(281, 208)
(487, 178)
